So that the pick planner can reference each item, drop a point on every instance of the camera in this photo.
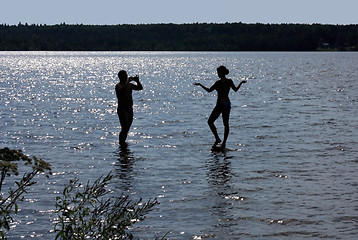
(136, 78)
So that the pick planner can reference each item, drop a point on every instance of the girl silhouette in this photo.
(223, 105)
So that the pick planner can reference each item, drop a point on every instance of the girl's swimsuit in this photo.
(225, 105)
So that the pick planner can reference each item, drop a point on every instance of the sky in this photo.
(112, 12)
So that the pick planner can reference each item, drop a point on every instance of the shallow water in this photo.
(289, 173)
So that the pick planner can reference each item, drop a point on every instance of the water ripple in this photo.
(290, 171)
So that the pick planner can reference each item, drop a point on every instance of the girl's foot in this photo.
(217, 142)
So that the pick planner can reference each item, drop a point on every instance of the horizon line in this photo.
(172, 23)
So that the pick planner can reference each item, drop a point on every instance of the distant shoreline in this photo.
(179, 37)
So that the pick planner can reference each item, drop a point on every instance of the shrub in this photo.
(84, 212)
(9, 166)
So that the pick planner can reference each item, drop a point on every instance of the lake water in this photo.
(291, 168)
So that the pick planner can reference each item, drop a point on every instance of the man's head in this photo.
(123, 76)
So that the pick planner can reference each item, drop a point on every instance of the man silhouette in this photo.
(125, 102)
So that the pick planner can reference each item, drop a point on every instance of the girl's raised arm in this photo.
(205, 88)
(238, 86)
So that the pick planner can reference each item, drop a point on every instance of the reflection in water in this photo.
(124, 167)
(219, 177)
(226, 201)
(299, 121)
(219, 172)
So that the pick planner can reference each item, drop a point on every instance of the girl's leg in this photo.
(226, 116)
(213, 116)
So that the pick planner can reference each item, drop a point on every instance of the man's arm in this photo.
(138, 86)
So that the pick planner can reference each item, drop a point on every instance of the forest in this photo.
(179, 37)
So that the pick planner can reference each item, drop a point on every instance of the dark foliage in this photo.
(9, 160)
(180, 37)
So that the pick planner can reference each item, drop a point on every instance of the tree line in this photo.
(179, 37)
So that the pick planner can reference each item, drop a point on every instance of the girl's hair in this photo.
(223, 70)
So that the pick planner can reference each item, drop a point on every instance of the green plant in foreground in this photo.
(84, 212)
(9, 166)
